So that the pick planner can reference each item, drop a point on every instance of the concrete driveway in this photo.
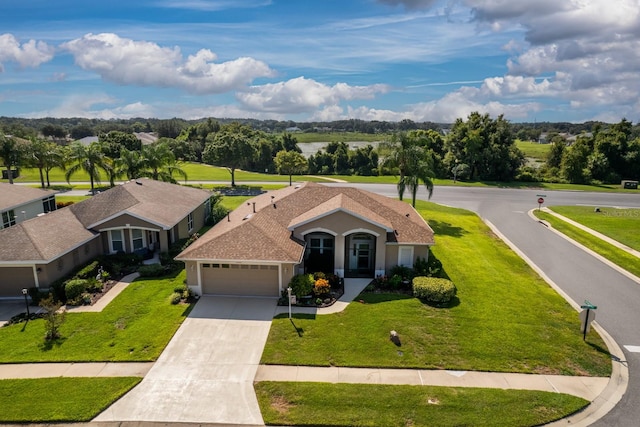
(205, 375)
(10, 308)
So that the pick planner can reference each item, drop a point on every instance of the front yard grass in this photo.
(322, 404)
(59, 399)
(135, 326)
(505, 318)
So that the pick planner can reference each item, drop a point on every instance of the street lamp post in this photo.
(25, 292)
(289, 294)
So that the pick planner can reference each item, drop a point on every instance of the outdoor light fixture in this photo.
(25, 292)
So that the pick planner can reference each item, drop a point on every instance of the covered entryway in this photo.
(319, 253)
(360, 255)
(240, 279)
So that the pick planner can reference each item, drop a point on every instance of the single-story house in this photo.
(307, 228)
(19, 203)
(136, 216)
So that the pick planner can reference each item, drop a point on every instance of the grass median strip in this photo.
(616, 255)
(505, 318)
(59, 399)
(322, 404)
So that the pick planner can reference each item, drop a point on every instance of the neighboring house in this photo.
(88, 140)
(136, 216)
(309, 228)
(19, 203)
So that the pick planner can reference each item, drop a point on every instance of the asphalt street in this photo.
(577, 273)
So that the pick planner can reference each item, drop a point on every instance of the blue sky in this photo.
(424, 60)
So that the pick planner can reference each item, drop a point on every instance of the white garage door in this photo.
(240, 279)
(14, 279)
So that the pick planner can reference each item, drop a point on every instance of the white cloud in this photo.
(130, 62)
(303, 95)
(94, 106)
(29, 54)
(410, 4)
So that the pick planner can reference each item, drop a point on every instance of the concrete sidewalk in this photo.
(54, 370)
(586, 387)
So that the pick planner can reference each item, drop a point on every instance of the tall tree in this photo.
(160, 163)
(87, 158)
(12, 154)
(130, 164)
(291, 162)
(231, 148)
(397, 155)
(45, 156)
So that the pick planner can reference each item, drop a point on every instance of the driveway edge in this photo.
(619, 380)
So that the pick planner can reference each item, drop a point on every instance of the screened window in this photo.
(49, 204)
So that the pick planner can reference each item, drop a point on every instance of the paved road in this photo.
(580, 275)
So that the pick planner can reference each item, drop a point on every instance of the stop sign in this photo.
(541, 200)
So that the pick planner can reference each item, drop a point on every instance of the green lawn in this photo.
(339, 137)
(322, 404)
(533, 149)
(622, 225)
(617, 256)
(135, 326)
(59, 399)
(506, 319)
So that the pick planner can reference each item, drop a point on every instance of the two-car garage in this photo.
(240, 279)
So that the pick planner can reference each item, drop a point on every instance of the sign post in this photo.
(540, 202)
(587, 315)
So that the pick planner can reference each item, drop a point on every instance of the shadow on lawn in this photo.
(447, 229)
(48, 345)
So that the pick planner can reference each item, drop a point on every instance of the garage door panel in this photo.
(14, 279)
(238, 279)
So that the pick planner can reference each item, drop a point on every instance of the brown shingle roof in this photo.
(159, 202)
(13, 195)
(266, 235)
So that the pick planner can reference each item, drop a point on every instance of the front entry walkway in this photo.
(206, 373)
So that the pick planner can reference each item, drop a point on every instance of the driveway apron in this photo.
(206, 373)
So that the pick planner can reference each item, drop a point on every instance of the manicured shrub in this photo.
(90, 270)
(433, 289)
(74, 289)
(395, 282)
(36, 295)
(321, 287)
(402, 271)
(302, 284)
(94, 285)
(176, 297)
(152, 270)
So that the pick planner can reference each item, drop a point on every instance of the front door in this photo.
(361, 256)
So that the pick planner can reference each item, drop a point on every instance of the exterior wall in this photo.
(69, 262)
(127, 221)
(391, 259)
(182, 230)
(31, 210)
(344, 224)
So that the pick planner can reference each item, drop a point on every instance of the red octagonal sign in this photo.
(541, 200)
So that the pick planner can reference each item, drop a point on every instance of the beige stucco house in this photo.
(19, 203)
(136, 216)
(308, 228)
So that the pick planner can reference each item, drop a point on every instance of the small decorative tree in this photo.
(53, 317)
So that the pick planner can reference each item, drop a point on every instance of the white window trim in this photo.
(190, 222)
(411, 250)
(143, 235)
(111, 248)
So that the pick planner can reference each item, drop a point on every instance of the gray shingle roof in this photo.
(13, 195)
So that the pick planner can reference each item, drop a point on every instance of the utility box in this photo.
(630, 185)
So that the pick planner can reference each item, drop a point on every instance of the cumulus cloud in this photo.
(96, 106)
(29, 54)
(129, 62)
(303, 95)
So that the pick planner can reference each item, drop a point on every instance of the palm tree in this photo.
(87, 158)
(45, 156)
(412, 161)
(12, 154)
(130, 163)
(160, 163)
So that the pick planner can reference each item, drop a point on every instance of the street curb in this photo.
(619, 381)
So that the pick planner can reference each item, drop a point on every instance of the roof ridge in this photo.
(33, 242)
